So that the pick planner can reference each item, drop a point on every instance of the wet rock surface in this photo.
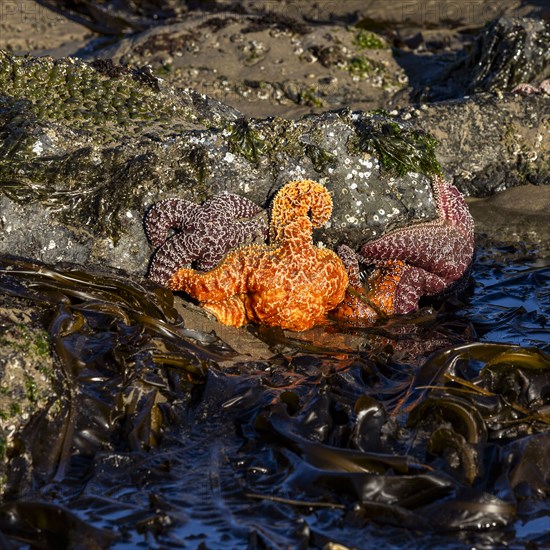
(488, 143)
(89, 175)
(508, 52)
(518, 216)
(268, 65)
(88, 148)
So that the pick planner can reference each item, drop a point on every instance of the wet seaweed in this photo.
(245, 141)
(122, 351)
(165, 437)
(399, 148)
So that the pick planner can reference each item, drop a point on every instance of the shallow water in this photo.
(426, 431)
(511, 298)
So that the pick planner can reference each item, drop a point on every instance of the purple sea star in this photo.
(435, 253)
(204, 233)
(411, 262)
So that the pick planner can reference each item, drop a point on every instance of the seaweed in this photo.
(98, 98)
(245, 141)
(412, 430)
(320, 158)
(400, 148)
(369, 40)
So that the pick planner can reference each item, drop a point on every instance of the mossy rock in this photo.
(86, 186)
(86, 161)
(508, 51)
(29, 383)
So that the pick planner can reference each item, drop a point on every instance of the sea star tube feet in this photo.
(289, 283)
(205, 232)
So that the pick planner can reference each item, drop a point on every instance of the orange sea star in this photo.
(290, 283)
(365, 303)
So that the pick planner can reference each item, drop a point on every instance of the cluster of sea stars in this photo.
(289, 283)
(292, 284)
(423, 259)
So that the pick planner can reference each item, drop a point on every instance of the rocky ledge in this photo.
(87, 148)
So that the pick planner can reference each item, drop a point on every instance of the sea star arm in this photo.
(299, 199)
(227, 279)
(180, 250)
(414, 284)
(236, 206)
(208, 233)
(527, 89)
(394, 287)
(224, 222)
(165, 215)
(443, 247)
(355, 307)
(229, 312)
(351, 263)
(335, 277)
(438, 249)
(255, 229)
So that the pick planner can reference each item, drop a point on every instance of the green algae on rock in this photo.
(85, 170)
(91, 100)
(400, 148)
(369, 40)
(245, 142)
(86, 181)
(29, 383)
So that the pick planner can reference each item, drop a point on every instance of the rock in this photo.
(517, 217)
(114, 17)
(509, 51)
(29, 383)
(88, 149)
(491, 142)
(267, 64)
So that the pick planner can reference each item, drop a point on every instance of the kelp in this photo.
(122, 352)
(49, 526)
(442, 465)
(164, 436)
